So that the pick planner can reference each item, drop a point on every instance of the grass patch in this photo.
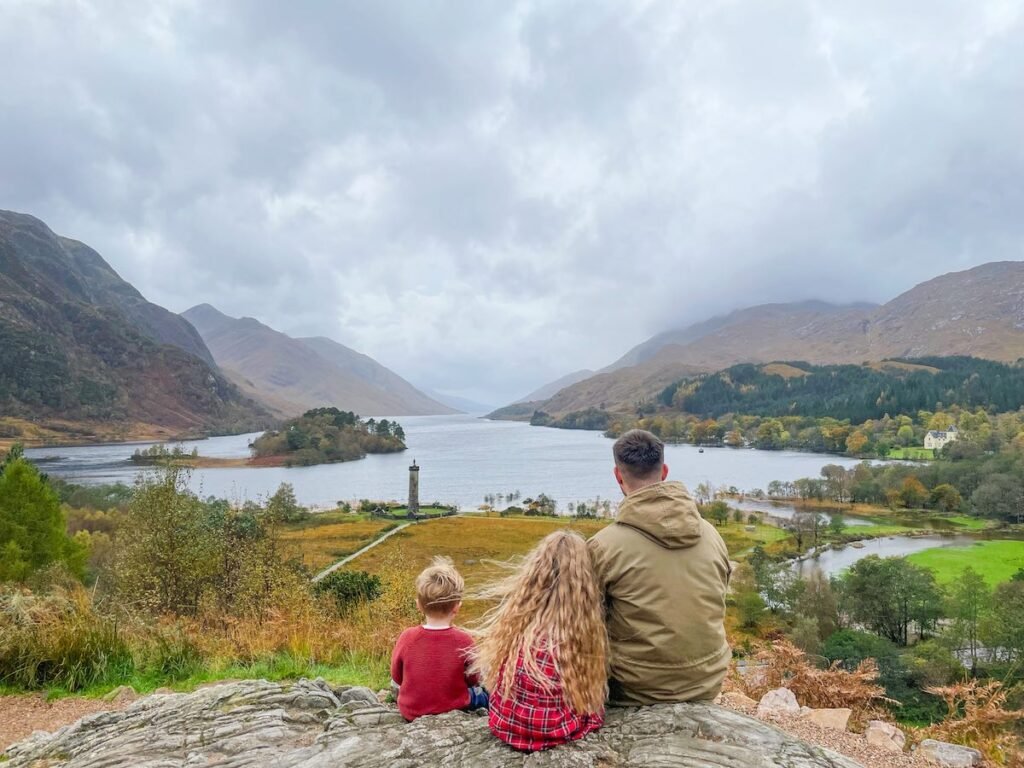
(970, 523)
(877, 528)
(996, 561)
(912, 453)
(476, 544)
(355, 669)
(428, 511)
(333, 536)
(738, 540)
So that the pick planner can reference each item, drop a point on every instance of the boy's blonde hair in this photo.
(439, 587)
(551, 603)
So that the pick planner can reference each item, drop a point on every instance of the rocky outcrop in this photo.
(885, 735)
(948, 755)
(310, 725)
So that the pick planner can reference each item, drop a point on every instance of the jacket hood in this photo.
(665, 512)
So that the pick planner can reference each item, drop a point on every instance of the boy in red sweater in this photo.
(430, 663)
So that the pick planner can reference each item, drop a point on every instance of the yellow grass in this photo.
(320, 545)
(474, 543)
(892, 365)
(783, 370)
(66, 432)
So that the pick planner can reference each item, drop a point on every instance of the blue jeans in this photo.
(477, 698)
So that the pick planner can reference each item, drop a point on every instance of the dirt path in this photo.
(21, 715)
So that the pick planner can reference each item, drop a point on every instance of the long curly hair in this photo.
(551, 602)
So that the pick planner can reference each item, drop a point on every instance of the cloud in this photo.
(486, 195)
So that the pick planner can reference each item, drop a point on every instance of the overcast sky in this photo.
(487, 195)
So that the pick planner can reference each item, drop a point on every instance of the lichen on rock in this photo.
(310, 725)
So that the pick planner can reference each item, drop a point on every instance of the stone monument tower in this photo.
(414, 489)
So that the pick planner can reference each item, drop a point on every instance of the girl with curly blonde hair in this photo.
(543, 650)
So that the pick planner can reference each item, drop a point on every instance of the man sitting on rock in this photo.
(665, 572)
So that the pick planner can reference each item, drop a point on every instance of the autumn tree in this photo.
(912, 492)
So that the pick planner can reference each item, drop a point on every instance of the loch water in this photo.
(462, 458)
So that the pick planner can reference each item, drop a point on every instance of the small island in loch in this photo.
(326, 436)
(319, 436)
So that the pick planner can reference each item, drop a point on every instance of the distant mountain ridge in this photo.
(78, 343)
(291, 375)
(977, 312)
(552, 388)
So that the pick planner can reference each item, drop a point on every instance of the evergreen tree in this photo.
(33, 532)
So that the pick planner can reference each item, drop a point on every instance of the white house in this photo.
(936, 440)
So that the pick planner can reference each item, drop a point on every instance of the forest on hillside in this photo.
(853, 392)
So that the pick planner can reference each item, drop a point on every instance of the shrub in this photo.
(977, 715)
(349, 588)
(59, 640)
(783, 664)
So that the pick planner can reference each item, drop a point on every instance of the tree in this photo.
(946, 497)
(912, 492)
(888, 595)
(705, 492)
(836, 523)
(905, 435)
(769, 435)
(747, 597)
(282, 506)
(968, 602)
(1003, 627)
(837, 482)
(998, 496)
(856, 443)
(33, 532)
(718, 511)
(819, 602)
(168, 548)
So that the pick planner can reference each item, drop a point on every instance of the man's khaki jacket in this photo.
(665, 572)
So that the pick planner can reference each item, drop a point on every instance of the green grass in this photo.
(996, 561)
(877, 528)
(357, 669)
(428, 511)
(970, 523)
(913, 453)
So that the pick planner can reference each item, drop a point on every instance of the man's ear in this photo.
(664, 471)
(618, 475)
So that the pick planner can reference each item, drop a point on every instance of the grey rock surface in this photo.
(310, 725)
(949, 755)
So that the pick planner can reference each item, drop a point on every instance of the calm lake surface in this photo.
(834, 561)
(462, 458)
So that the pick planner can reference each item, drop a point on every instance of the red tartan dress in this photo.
(532, 718)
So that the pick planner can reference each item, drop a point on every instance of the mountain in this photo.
(552, 388)
(369, 370)
(729, 338)
(79, 344)
(461, 404)
(977, 312)
(292, 375)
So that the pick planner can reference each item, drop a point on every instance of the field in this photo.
(996, 561)
(331, 536)
(428, 511)
(912, 453)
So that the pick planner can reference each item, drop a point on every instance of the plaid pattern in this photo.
(533, 718)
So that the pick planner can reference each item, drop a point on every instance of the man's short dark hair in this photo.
(639, 454)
